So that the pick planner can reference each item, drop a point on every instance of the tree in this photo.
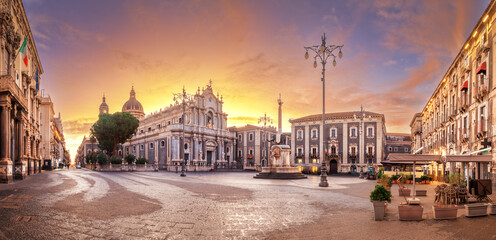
(113, 129)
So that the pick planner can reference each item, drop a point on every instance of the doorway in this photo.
(333, 166)
(209, 157)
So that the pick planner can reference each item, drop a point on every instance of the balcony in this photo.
(482, 92)
(7, 84)
(333, 155)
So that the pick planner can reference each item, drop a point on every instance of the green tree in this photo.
(113, 129)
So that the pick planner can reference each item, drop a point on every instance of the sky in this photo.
(395, 54)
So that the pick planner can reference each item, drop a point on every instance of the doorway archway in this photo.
(333, 166)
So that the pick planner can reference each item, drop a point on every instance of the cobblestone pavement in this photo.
(82, 204)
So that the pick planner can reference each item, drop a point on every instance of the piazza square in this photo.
(247, 119)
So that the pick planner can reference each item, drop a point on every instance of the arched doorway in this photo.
(333, 166)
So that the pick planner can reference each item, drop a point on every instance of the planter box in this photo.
(444, 212)
(404, 192)
(476, 210)
(421, 193)
(410, 212)
(379, 210)
(492, 208)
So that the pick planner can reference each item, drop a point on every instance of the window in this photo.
(333, 133)
(251, 136)
(134, 148)
(370, 151)
(299, 134)
(370, 132)
(406, 149)
(353, 132)
(314, 151)
(314, 133)
(239, 137)
(149, 129)
(151, 145)
(127, 150)
(300, 152)
(353, 151)
(251, 152)
(141, 131)
(162, 143)
(142, 147)
(395, 149)
(186, 145)
(239, 153)
(333, 150)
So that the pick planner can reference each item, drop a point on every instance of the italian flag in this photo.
(23, 51)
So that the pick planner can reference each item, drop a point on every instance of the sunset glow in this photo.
(395, 54)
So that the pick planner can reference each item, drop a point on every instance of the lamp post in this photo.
(183, 97)
(265, 119)
(323, 52)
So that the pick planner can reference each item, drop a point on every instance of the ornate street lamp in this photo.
(323, 52)
(265, 119)
(183, 97)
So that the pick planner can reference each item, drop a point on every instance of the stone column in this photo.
(5, 161)
(21, 163)
(156, 154)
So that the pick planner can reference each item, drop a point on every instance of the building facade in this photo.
(398, 143)
(52, 136)
(20, 76)
(416, 133)
(459, 118)
(353, 141)
(207, 145)
(253, 144)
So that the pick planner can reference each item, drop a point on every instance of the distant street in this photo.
(81, 204)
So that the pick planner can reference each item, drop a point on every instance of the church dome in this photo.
(133, 106)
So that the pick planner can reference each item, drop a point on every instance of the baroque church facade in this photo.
(207, 143)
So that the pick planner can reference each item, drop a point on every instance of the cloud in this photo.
(79, 126)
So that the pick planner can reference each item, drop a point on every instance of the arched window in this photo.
(162, 143)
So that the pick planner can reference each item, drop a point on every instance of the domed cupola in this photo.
(103, 107)
(133, 106)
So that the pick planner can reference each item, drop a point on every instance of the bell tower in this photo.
(103, 107)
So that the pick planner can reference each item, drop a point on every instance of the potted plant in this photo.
(402, 190)
(394, 178)
(408, 212)
(386, 182)
(380, 197)
(447, 211)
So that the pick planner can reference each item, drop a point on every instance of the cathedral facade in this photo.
(207, 143)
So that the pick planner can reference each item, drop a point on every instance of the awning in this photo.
(464, 85)
(482, 68)
(469, 158)
(410, 158)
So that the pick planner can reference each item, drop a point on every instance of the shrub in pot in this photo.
(130, 158)
(380, 197)
(141, 161)
(115, 160)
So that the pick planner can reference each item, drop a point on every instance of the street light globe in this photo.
(322, 48)
(315, 64)
(334, 63)
(306, 55)
(340, 54)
